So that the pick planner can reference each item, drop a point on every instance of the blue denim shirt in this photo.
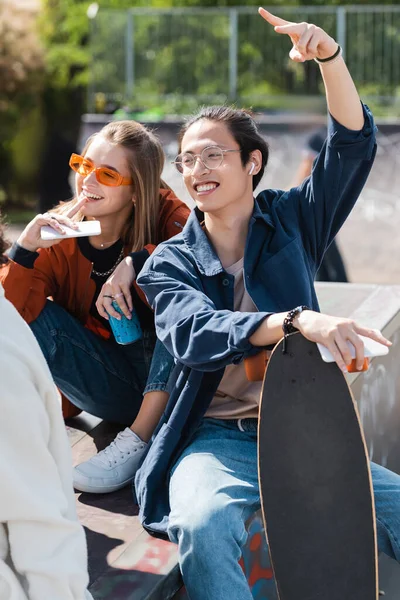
(192, 295)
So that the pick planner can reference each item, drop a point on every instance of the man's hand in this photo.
(309, 41)
(30, 238)
(334, 332)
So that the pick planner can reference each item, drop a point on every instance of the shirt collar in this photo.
(195, 238)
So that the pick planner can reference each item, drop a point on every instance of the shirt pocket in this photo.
(286, 276)
(285, 254)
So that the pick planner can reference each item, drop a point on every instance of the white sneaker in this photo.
(112, 468)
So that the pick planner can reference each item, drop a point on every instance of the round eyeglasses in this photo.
(84, 166)
(211, 157)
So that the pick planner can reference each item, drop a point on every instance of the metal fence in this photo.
(144, 57)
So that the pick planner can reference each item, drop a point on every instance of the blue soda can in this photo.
(126, 331)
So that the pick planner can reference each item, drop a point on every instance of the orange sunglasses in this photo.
(84, 166)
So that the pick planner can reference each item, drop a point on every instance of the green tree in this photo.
(21, 76)
(64, 31)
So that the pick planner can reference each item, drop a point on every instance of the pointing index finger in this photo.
(72, 211)
(272, 19)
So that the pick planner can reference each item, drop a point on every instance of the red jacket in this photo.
(63, 273)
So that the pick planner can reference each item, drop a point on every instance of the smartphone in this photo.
(371, 348)
(85, 228)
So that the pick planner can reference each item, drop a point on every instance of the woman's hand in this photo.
(30, 237)
(118, 288)
(334, 333)
(309, 41)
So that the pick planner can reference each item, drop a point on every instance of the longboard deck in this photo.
(315, 482)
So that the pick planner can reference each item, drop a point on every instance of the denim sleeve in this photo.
(187, 321)
(161, 366)
(321, 204)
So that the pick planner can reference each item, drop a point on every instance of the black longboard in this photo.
(315, 480)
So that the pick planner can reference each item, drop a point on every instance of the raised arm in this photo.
(311, 42)
(28, 278)
(320, 205)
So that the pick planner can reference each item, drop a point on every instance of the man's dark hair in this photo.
(243, 128)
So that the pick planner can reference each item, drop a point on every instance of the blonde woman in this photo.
(118, 182)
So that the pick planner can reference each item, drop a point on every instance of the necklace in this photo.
(107, 273)
(108, 243)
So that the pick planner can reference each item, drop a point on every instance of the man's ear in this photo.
(255, 162)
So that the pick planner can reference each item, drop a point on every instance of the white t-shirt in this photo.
(237, 397)
(42, 545)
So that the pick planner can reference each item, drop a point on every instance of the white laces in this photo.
(125, 443)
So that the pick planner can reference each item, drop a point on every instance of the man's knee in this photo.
(387, 503)
(206, 526)
(386, 482)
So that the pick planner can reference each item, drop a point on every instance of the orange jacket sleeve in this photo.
(173, 216)
(173, 225)
(28, 288)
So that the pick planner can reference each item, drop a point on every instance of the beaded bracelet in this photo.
(330, 59)
(288, 326)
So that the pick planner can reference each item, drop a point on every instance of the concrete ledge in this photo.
(377, 391)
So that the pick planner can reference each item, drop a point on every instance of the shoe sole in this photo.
(101, 490)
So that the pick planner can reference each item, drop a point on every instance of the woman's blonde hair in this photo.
(145, 158)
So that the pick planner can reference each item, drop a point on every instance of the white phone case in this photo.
(85, 228)
(371, 348)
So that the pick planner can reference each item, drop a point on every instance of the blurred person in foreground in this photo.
(42, 545)
(332, 267)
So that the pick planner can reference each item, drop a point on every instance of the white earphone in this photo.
(253, 166)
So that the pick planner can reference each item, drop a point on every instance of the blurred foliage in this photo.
(187, 54)
(25, 151)
(64, 30)
(21, 76)
(46, 59)
(86, 52)
(21, 56)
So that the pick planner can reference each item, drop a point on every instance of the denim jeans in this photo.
(214, 490)
(100, 376)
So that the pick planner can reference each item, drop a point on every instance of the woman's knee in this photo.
(50, 318)
(44, 327)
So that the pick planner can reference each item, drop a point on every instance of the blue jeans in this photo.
(214, 490)
(100, 376)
